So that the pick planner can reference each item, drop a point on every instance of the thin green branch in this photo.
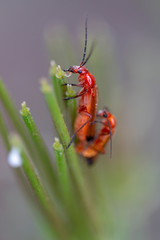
(13, 114)
(71, 105)
(40, 147)
(61, 91)
(39, 191)
(15, 162)
(80, 220)
(61, 165)
(71, 155)
(4, 133)
(57, 84)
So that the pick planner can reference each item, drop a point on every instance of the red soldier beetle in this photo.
(92, 149)
(87, 105)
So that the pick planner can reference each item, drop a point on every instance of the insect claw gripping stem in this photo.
(76, 96)
(74, 135)
(72, 84)
(68, 98)
(71, 141)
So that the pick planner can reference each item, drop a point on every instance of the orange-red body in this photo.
(87, 105)
(89, 143)
(92, 149)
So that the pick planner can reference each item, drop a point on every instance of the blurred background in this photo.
(126, 64)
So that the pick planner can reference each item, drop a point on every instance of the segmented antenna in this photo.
(85, 45)
(89, 55)
(83, 62)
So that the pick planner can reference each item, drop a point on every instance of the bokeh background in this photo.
(126, 64)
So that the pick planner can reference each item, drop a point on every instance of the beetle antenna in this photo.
(85, 45)
(89, 55)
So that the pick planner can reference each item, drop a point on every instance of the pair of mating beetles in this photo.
(90, 143)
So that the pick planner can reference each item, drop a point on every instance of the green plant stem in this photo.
(4, 133)
(72, 107)
(59, 91)
(41, 194)
(71, 104)
(13, 114)
(18, 171)
(62, 170)
(71, 155)
(39, 144)
(43, 197)
(80, 228)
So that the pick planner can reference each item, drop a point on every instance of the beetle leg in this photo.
(74, 135)
(76, 96)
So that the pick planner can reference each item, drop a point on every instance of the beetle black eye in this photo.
(105, 115)
(70, 69)
(79, 71)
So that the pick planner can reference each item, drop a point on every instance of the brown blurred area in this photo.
(24, 59)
